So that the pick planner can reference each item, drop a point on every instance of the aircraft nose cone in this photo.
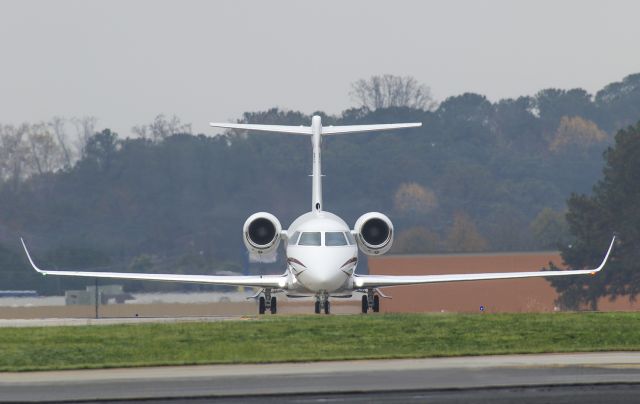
(323, 277)
(318, 274)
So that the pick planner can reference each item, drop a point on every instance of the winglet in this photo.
(606, 257)
(31, 260)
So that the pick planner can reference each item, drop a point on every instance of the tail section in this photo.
(316, 130)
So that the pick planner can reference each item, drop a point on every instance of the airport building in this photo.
(493, 296)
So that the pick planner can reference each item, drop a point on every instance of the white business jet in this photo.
(321, 249)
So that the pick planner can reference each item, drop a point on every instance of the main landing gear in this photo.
(370, 301)
(267, 302)
(322, 302)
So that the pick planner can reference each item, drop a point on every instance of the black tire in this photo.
(376, 304)
(274, 307)
(317, 307)
(327, 307)
(261, 305)
(365, 304)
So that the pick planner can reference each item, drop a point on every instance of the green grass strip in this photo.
(314, 338)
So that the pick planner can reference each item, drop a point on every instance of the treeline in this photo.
(612, 208)
(477, 176)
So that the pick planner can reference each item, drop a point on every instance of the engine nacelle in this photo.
(374, 233)
(261, 233)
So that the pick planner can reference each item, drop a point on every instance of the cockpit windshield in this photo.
(334, 238)
(310, 238)
(294, 238)
(350, 238)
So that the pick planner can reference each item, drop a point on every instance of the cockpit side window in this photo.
(294, 238)
(310, 238)
(334, 238)
(350, 238)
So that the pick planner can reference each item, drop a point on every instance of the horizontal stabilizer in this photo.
(295, 130)
(307, 130)
(336, 130)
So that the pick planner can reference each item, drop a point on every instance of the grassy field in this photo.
(313, 338)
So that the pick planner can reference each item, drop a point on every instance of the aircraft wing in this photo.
(258, 281)
(376, 281)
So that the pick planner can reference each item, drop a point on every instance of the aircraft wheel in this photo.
(327, 307)
(365, 304)
(261, 305)
(376, 304)
(273, 305)
(317, 307)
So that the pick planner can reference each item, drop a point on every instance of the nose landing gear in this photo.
(322, 302)
(370, 301)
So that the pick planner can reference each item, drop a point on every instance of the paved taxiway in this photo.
(56, 322)
(402, 379)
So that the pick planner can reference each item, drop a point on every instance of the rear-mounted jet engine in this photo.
(262, 233)
(374, 233)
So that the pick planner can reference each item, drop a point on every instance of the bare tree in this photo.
(45, 154)
(57, 125)
(26, 150)
(13, 152)
(392, 91)
(85, 128)
(141, 131)
(161, 128)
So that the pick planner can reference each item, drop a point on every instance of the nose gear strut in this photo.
(322, 303)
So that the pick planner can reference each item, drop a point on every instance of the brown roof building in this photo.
(495, 296)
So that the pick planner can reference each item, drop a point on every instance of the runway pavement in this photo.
(590, 376)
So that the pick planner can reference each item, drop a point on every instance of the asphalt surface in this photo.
(56, 322)
(590, 377)
(598, 394)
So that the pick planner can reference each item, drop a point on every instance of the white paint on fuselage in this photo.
(318, 269)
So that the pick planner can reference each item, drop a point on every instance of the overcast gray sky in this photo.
(126, 61)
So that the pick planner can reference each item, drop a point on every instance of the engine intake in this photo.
(374, 233)
(261, 233)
